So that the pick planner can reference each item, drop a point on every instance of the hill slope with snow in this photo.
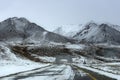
(102, 33)
(68, 30)
(20, 29)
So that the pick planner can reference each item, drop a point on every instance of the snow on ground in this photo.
(10, 67)
(68, 30)
(61, 72)
(108, 67)
(113, 63)
(36, 78)
(79, 59)
(115, 76)
(47, 59)
(68, 73)
(107, 45)
(10, 63)
(75, 46)
(6, 54)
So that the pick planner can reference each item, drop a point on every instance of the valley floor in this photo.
(13, 67)
(35, 71)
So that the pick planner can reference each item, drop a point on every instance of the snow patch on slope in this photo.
(6, 54)
(68, 30)
(98, 33)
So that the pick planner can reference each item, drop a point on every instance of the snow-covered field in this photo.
(47, 59)
(102, 70)
(11, 63)
(75, 46)
(61, 72)
(10, 67)
(113, 68)
(51, 72)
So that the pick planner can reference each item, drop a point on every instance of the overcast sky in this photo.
(59, 12)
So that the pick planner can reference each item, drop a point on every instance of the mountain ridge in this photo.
(101, 33)
(20, 29)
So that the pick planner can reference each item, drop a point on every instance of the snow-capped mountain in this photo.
(20, 29)
(98, 33)
(117, 27)
(68, 30)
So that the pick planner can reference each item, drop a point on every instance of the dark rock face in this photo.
(95, 33)
(20, 29)
(56, 38)
(8, 30)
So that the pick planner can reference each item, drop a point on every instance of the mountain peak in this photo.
(21, 19)
(98, 33)
(13, 18)
(20, 29)
(91, 24)
(104, 27)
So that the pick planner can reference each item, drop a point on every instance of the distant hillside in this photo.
(68, 30)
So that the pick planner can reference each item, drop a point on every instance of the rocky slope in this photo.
(20, 29)
(98, 33)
